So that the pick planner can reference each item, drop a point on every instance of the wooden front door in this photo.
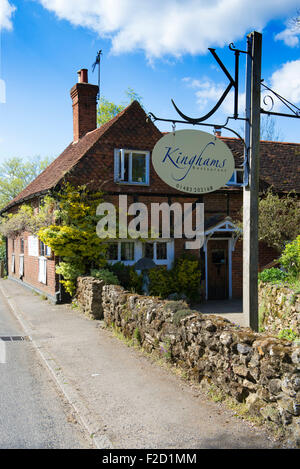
(217, 270)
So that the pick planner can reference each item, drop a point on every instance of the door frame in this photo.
(226, 226)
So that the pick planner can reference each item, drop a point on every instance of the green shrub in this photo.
(174, 306)
(70, 270)
(187, 276)
(127, 276)
(161, 282)
(180, 314)
(272, 275)
(183, 278)
(106, 275)
(290, 258)
(287, 334)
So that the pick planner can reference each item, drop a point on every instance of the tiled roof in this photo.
(53, 174)
(279, 162)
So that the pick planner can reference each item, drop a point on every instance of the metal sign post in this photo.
(250, 191)
(251, 155)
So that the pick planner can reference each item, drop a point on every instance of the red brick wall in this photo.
(31, 267)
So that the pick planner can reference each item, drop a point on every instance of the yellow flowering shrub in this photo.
(73, 237)
(183, 277)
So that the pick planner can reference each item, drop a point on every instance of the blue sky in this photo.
(157, 48)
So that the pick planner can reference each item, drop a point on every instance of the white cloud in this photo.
(286, 82)
(208, 93)
(289, 36)
(6, 11)
(171, 26)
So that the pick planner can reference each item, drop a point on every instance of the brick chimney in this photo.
(84, 100)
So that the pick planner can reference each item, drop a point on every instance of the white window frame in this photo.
(21, 265)
(13, 263)
(42, 276)
(118, 170)
(138, 252)
(234, 182)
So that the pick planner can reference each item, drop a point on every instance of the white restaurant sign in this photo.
(193, 161)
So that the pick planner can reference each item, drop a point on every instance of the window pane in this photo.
(148, 250)
(138, 167)
(232, 179)
(126, 166)
(42, 248)
(123, 166)
(127, 251)
(112, 252)
(240, 177)
(161, 251)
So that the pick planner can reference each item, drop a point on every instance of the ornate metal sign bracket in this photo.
(292, 107)
(233, 83)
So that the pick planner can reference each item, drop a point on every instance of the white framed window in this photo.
(237, 178)
(13, 263)
(131, 167)
(129, 252)
(42, 277)
(21, 265)
(156, 250)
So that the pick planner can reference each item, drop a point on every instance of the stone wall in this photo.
(254, 368)
(89, 296)
(279, 308)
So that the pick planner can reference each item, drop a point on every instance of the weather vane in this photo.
(97, 62)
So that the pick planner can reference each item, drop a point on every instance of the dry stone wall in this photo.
(89, 296)
(279, 308)
(254, 368)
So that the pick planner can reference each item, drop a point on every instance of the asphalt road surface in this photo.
(32, 412)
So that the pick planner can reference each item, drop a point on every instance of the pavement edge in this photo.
(99, 440)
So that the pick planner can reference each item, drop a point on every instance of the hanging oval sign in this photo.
(193, 161)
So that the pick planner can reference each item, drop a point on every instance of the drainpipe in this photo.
(6, 255)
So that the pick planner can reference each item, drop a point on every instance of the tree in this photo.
(16, 174)
(107, 110)
(279, 219)
(72, 235)
(269, 130)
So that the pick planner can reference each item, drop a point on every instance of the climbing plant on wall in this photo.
(73, 235)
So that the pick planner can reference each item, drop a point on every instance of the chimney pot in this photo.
(82, 75)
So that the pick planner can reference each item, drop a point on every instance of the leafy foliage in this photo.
(16, 174)
(127, 276)
(290, 258)
(70, 270)
(184, 277)
(287, 334)
(272, 275)
(107, 109)
(25, 219)
(279, 219)
(106, 275)
(73, 237)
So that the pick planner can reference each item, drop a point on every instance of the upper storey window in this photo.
(132, 167)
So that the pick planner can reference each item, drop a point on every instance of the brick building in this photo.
(116, 158)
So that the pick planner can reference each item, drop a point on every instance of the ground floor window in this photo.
(129, 252)
(21, 265)
(42, 270)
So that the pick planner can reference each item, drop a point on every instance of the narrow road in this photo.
(32, 413)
